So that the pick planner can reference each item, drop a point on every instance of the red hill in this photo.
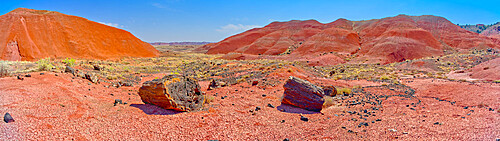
(384, 40)
(27, 34)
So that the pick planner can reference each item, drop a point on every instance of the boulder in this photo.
(303, 94)
(330, 91)
(92, 78)
(8, 118)
(173, 92)
(69, 69)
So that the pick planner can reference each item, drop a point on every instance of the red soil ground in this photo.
(49, 107)
(27, 34)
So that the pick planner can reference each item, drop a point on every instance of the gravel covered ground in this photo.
(50, 107)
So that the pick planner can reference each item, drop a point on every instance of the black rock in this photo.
(42, 73)
(270, 105)
(437, 123)
(286, 139)
(118, 101)
(20, 78)
(264, 95)
(257, 108)
(282, 121)
(363, 124)
(303, 118)
(466, 107)
(8, 118)
(27, 75)
(378, 120)
(69, 69)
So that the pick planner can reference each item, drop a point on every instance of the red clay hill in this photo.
(27, 34)
(384, 40)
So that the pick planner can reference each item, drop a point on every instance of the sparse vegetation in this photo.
(69, 62)
(344, 91)
(44, 64)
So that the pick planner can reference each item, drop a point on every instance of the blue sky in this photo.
(214, 20)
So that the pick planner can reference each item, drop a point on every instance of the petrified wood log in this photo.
(303, 94)
(173, 92)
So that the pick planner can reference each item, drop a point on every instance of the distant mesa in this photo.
(28, 34)
(386, 40)
(178, 43)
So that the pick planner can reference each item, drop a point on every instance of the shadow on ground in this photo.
(292, 109)
(154, 110)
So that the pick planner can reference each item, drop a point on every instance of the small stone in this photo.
(56, 74)
(437, 123)
(27, 75)
(20, 78)
(393, 130)
(286, 139)
(264, 95)
(257, 108)
(466, 107)
(118, 101)
(282, 121)
(8, 118)
(270, 105)
(378, 120)
(303, 118)
(255, 82)
(42, 73)
(69, 69)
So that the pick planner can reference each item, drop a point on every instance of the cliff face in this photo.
(27, 34)
(385, 40)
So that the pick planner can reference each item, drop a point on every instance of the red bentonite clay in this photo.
(27, 34)
(384, 40)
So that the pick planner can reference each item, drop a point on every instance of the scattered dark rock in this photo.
(98, 68)
(282, 121)
(257, 108)
(8, 118)
(92, 78)
(264, 95)
(118, 101)
(466, 107)
(20, 78)
(212, 85)
(126, 84)
(303, 118)
(255, 82)
(27, 75)
(363, 124)
(42, 73)
(69, 69)
(173, 92)
(270, 105)
(437, 123)
(303, 94)
(330, 91)
(286, 139)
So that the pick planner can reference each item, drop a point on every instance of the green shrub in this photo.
(342, 91)
(384, 77)
(44, 64)
(69, 62)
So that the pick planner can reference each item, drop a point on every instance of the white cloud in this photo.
(158, 5)
(112, 24)
(232, 28)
